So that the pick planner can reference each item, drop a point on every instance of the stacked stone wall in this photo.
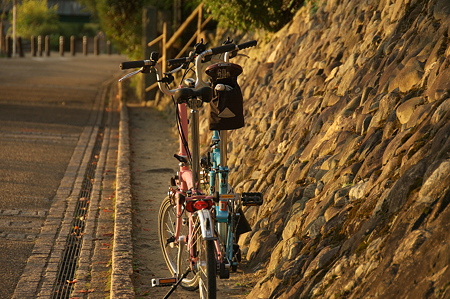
(347, 136)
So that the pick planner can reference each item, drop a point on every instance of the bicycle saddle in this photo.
(184, 94)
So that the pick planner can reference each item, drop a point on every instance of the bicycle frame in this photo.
(227, 199)
(188, 176)
(219, 171)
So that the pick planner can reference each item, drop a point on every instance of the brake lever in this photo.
(167, 79)
(131, 74)
(174, 70)
(245, 55)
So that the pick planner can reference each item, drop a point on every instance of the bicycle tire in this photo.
(175, 254)
(208, 270)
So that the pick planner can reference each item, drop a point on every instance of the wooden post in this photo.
(164, 48)
(85, 46)
(199, 24)
(9, 42)
(47, 45)
(14, 27)
(33, 46)
(149, 33)
(96, 45)
(177, 13)
(61, 45)
(72, 45)
(20, 47)
(40, 46)
(2, 39)
(108, 47)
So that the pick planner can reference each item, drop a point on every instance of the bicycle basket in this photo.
(227, 105)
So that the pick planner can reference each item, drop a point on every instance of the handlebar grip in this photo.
(248, 44)
(223, 49)
(177, 61)
(136, 64)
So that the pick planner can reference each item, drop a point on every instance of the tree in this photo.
(5, 5)
(269, 15)
(34, 18)
(122, 22)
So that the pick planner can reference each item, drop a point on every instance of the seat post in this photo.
(195, 145)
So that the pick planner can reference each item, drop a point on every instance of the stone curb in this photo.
(122, 255)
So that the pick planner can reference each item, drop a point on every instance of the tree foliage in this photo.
(35, 18)
(122, 22)
(269, 15)
(122, 19)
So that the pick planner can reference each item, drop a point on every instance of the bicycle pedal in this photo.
(164, 282)
(252, 199)
(224, 270)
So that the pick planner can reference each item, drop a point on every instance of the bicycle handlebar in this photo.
(246, 45)
(213, 51)
(177, 61)
(221, 49)
(136, 64)
(230, 47)
(152, 62)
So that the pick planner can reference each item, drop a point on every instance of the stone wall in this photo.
(347, 136)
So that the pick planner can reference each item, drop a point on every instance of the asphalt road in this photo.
(45, 106)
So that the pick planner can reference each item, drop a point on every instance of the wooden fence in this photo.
(166, 44)
(40, 46)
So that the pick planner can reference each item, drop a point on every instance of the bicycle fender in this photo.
(206, 224)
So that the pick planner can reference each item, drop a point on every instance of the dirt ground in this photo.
(153, 143)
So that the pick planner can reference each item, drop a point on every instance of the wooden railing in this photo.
(165, 44)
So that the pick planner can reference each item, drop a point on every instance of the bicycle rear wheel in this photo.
(208, 270)
(175, 252)
(206, 263)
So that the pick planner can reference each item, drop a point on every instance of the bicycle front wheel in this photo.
(175, 252)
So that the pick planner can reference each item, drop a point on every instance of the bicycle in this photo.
(205, 223)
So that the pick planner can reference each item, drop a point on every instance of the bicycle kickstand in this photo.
(174, 287)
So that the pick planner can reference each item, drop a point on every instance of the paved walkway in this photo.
(71, 101)
(85, 245)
